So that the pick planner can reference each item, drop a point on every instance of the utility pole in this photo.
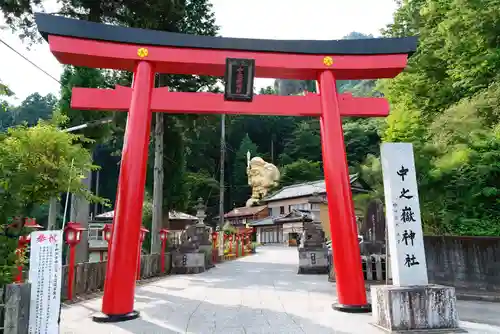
(221, 182)
(157, 218)
(96, 205)
(222, 160)
(158, 175)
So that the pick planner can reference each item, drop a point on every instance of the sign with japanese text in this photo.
(45, 278)
(404, 226)
(239, 78)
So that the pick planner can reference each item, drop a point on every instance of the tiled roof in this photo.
(245, 211)
(262, 222)
(171, 215)
(302, 189)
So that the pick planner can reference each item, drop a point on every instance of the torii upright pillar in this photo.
(344, 236)
(145, 52)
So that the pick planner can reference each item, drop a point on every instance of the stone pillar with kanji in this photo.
(411, 303)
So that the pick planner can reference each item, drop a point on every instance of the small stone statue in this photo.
(189, 240)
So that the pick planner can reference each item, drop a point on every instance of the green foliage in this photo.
(446, 103)
(4, 91)
(31, 110)
(304, 143)
(8, 258)
(300, 171)
(361, 138)
(84, 77)
(239, 180)
(38, 163)
(268, 91)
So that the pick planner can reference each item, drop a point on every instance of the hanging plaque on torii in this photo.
(146, 52)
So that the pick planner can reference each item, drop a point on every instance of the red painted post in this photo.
(349, 277)
(162, 256)
(230, 244)
(119, 286)
(237, 244)
(215, 248)
(31, 225)
(138, 271)
(243, 244)
(71, 271)
(21, 246)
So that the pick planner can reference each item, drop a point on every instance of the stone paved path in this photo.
(256, 294)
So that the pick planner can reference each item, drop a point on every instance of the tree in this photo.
(304, 144)
(361, 139)
(37, 163)
(240, 190)
(446, 104)
(300, 171)
(267, 91)
(5, 117)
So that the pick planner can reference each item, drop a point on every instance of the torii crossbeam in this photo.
(146, 52)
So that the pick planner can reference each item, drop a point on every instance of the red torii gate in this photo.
(146, 52)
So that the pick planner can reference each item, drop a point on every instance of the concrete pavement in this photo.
(257, 294)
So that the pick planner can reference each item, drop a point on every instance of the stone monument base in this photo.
(313, 261)
(427, 308)
(188, 263)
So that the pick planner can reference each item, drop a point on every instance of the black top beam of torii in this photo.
(61, 26)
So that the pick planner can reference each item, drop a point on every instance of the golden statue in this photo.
(261, 177)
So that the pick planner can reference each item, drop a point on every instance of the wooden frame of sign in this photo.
(239, 77)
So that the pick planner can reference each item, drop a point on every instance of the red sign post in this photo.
(73, 232)
(142, 236)
(163, 237)
(146, 53)
(215, 247)
(31, 225)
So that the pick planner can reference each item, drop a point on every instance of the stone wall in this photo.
(464, 262)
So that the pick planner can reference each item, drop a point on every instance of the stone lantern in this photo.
(315, 202)
(200, 211)
(202, 234)
(107, 232)
(73, 232)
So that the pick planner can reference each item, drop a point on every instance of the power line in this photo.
(29, 61)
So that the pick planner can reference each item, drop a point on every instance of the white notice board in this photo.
(45, 278)
(402, 209)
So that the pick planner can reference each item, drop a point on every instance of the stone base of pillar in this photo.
(313, 261)
(188, 263)
(429, 308)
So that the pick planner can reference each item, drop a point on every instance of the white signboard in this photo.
(402, 209)
(45, 278)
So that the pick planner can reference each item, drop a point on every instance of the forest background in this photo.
(447, 103)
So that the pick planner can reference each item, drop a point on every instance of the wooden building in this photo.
(98, 247)
(240, 217)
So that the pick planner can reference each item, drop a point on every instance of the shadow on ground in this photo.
(174, 314)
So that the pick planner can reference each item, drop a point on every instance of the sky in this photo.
(263, 19)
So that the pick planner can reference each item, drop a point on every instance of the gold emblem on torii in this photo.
(142, 52)
(328, 61)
